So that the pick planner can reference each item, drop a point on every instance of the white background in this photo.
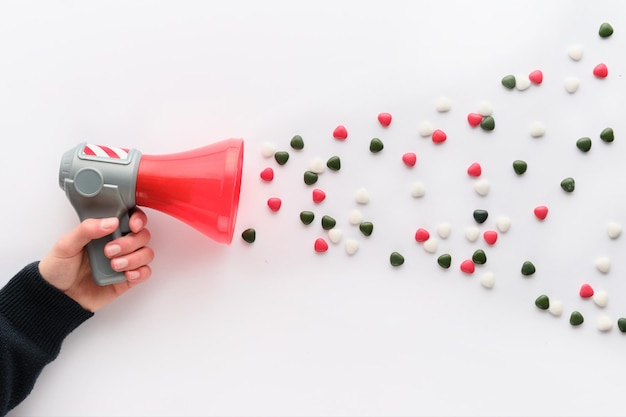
(273, 328)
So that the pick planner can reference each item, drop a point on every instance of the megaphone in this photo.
(200, 187)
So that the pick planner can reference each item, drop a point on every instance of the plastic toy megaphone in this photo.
(199, 187)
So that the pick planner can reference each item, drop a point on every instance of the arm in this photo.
(47, 300)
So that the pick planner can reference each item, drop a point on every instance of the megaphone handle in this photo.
(101, 269)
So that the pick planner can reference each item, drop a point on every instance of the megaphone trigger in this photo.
(199, 187)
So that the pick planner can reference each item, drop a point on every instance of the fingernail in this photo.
(120, 263)
(108, 223)
(132, 275)
(113, 250)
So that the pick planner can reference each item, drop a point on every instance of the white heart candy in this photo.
(472, 233)
(503, 224)
(351, 245)
(575, 52)
(556, 308)
(482, 186)
(603, 264)
(431, 245)
(488, 280)
(418, 189)
(614, 230)
(443, 230)
(362, 196)
(335, 235)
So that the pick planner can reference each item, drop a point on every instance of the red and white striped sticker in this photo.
(107, 152)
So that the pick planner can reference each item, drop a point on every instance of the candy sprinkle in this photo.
(576, 319)
(443, 230)
(409, 159)
(267, 174)
(384, 119)
(490, 236)
(249, 235)
(431, 245)
(318, 196)
(503, 223)
(425, 129)
(568, 184)
(366, 228)
(537, 129)
(355, 217)
(472, 233)
(474, 170)
(621, 324)
(328, 222)
(335, 235)
(396, 259)
(508, 81)
(418, 189)
(362, 196)
(571, 84)
(317, 165)
(479, 257)
(488, 280)
(422, 235)
(443, 104)
(439, 136)
(480, 215)
(542, 302)
(600, 71)
(488, 123)
(334, 163)
(601, 298)
(310, 177)
(307, 217)
(482, 187)
(605, 323)
(474, 119)
(522, 82)
(605, 30)
(297, 143)
(603, 264)
(281, 157)
(536, 77)
(584, 144)
(444, 260)
(520, 166)
(485, 108)
(351, 246)
(340, 133)
(556, 308)
(268, 149)
(586, 291)
(320, 245)
(575, 52)
(541, 212)
(376, 145)
(528, 269)
(614, 230)
(468, 266)
(274, 203)
(607, 135)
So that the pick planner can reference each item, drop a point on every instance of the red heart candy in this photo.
(468, 266)
(586, 291)
(267, 174)
(474, 170)
(318, 195)
(490, 236)
(474, 119)
(340, 133)
(541, 212)
(320, 245)
(274, 203)
(409, 159)
(439, 136)
(601, 71)
(422, 235)
(384, 119)
(536, 77)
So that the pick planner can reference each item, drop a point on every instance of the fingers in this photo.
(74, 241)
(138, 220)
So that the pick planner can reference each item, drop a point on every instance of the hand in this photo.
(67, 267)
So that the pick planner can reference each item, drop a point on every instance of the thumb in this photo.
(74, 241)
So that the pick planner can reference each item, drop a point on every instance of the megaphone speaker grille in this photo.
(199, 187)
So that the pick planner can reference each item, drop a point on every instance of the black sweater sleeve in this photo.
(35, 317)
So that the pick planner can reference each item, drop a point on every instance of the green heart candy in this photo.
(488, 123)
(607, 135)
(307, 217)
(621, 324)
(281, 157)
(479, 257)
(249, 235)
(297, 143)
(328, 222)
(366, 228)
(509, 81)
(543, 302)
(396, 259)
(576, 319)
(519, 166)
(480, 216)
(310, 177)
(584, 144)
(528, 268)
(376, 145)
(568, 184)
(334, 163)
(605, 30)
(444, 260)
